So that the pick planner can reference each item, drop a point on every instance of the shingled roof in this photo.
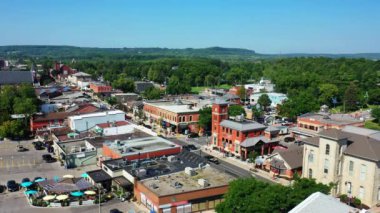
(15, 77)
(242, 126)
(292, 156)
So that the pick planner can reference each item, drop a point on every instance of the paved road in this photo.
(223, 166)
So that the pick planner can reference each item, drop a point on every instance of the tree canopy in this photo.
(252, 195)
(264, 101)
(205, 118)
(236, 110)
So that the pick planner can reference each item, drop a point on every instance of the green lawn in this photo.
(372, 125)
(197, 90)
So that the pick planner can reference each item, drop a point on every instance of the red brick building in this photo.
(100, 88)
(181, 192)
(238, 137)
(63, 71)
(140, 148)
(174, 116)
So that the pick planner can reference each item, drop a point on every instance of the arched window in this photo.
(310, 173)
(327, 151)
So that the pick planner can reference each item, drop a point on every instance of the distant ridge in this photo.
(62, 52)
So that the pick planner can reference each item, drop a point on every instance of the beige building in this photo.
(349, 157)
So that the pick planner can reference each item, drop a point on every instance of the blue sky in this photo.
(266, 26)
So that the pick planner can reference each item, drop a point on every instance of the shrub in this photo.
(343, 198)
(356, 202)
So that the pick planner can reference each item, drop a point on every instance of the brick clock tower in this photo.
(219, 113)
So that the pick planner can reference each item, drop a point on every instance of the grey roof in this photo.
(273, 129)
(230, 96)
(292, 156)
(78, 74)
(335, 119)
(141, 86)
(99, 176)
(319, 202)
(15, 77)
(242, 126)
(334, 134)
(220, 101)
(363, 143)
(362, 131)
(314, 141)
(249, 142)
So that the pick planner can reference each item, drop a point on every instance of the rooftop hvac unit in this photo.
(203, 182)
(189, 171)
(172, 158)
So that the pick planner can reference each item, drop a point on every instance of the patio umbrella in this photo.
(30, 192)
(68, 176)
(26, 184)
(76, 194)
(40, 180)
(84, 175)
(90, 192)
(48, 197)
(62, 197)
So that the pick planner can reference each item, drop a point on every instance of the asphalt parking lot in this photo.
(18, 165)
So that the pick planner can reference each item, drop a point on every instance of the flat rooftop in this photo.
(97, 114)
(181, 182)
(175, 106)
(76, 147)
(140, 145)
(335, 119)
(156, 166)
(98, 141)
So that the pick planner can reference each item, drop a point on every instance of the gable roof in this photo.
(50, 116)
(292, 156)
(15, 77)
(242, 126)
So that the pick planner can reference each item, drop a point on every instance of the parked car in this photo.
(25, 180)
(21, 148)
(2, 188)
(192, 135)
(211, 159)
(48, 158)
(115, 211)
(38, 145)
(147, 126)
(36, 178)
(190, 147)
(12, 186)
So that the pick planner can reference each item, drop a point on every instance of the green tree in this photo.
(351, 97)
(13, 129)
(264, 101)
(252, 195)
(298, 104)
(327, 92)
(152, 93)
(124, 84)
(205, 118)
(236, 110)
(256, 113)
(242, 93)
(111, 100)
(375, 112)
(176, 86)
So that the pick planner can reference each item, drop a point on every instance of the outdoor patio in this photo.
(62, 192)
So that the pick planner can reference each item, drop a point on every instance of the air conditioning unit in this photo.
(203, 182)
(172, 158)
(189, 171)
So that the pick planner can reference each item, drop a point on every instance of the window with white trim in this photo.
(361, 192)
(351, 168)
(363, 171)
(326, 166)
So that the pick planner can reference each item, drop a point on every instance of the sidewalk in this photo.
(245, 166)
